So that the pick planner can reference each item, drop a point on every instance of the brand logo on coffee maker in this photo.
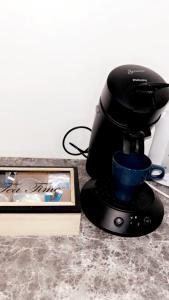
(132, 71)
(139, 80)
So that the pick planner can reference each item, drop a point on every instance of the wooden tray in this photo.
(39, 201)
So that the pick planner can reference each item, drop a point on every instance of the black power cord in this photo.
(80, 151)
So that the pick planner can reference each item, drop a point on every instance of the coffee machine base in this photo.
(139, 217)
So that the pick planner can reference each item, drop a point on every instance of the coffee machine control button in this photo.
(147, 221)
(118, 221)
(134, 218)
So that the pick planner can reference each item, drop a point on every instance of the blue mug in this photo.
(130, 171)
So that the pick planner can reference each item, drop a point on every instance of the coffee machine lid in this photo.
(134, 96)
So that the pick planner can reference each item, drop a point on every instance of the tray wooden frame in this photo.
(46, 207)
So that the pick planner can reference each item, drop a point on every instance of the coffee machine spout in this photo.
(133, 142)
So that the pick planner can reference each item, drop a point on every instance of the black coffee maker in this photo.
(131, 102)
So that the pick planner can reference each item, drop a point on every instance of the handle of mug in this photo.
(154, 168)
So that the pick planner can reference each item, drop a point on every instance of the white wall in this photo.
(55, 57)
